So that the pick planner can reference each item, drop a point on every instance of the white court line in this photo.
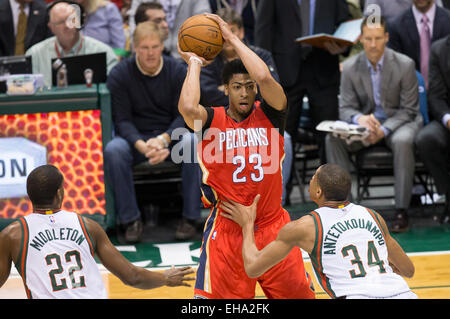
(430, 253)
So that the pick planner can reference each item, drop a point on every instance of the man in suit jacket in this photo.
(303, 70)
(36, 30)
(433, 141)
(405, 30)
(379, 90)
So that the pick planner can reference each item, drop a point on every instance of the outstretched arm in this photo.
(271, 90)
(129, 274)
(257, 262)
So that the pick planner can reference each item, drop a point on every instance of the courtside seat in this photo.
(158, 189)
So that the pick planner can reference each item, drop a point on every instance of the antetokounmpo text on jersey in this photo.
(332, 236)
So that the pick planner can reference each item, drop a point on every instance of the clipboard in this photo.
(346, 34)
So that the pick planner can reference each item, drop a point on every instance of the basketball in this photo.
(202, 36)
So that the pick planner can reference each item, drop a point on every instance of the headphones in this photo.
(78, 10)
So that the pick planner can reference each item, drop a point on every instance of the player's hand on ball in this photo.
(186, 56)
(227, 35)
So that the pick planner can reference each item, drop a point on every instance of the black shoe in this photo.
(400, 223)
(185, 230)
(133, 232)
(415, 201)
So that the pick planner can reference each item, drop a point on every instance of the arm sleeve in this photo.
(116, 30)
(437, 90)
(349, 108)
(121, 106)
(264, 23)
(409, 99)
(277, 118)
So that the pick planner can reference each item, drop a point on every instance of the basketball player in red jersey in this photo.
(240, 153)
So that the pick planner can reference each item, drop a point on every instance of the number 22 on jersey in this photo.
(71, 259)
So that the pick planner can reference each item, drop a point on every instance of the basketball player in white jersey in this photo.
(53, 249)
(351, 250)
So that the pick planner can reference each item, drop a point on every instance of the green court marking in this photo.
(424, 239)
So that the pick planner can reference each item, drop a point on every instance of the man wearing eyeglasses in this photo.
(68, 41)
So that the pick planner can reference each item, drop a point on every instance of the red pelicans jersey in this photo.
(241, 160)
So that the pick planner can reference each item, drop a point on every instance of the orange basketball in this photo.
(202, 36)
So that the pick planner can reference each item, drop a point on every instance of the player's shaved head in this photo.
(43, 184)
(334, 181)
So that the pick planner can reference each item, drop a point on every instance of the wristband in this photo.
(166, 144)
(194, 58)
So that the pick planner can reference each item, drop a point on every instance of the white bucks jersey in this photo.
(57, 258)
(350, 256)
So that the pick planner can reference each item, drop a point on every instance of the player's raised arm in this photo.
(271, 90)
(188, 104)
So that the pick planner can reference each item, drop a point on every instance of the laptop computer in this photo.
(75, 66)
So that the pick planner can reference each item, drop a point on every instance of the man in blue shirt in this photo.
(144, 97)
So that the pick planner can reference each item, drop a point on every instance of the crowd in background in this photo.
(372, 83)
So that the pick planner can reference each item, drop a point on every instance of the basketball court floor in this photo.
(427, 243)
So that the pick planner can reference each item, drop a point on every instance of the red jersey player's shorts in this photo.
(221, 273)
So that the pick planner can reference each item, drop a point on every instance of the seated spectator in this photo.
(412, 32)
(23, 23)
(177, 12)
(213, 88)
(144, 96)
(103, 22)
(433, 141)
(153, 11)
(67, 42)
(379, 90)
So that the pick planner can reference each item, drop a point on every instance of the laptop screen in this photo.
(77, 64)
